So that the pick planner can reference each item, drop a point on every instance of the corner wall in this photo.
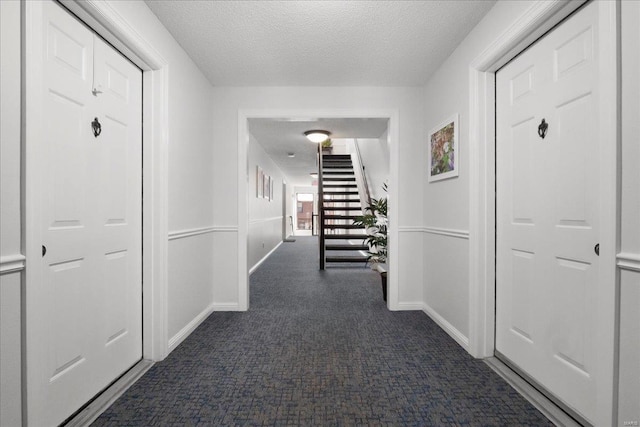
(190, 190)
(374, 153)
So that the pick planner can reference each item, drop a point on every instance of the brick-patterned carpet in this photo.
(319, 348)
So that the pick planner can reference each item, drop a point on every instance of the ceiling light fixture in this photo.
(317, 136)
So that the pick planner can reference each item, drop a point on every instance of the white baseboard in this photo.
(225, 306)
(264, 258)
(410, 306)
(189, 328)
(448, 327)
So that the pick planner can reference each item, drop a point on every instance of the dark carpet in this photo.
(319, 348)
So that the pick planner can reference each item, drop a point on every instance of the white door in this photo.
(547, 211)
(87, 310)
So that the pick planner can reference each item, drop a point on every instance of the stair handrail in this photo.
(321, 208)
(362, 172)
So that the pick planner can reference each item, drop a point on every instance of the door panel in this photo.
(119, 211)
(547, 211)
(65, 209)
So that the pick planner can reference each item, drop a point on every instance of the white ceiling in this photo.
(279, 137)
(319, 43)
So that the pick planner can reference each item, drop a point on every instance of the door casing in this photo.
(243, 194)
(539, 18)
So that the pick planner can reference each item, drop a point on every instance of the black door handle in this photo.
(542, 129)
(44, 250)
(596, 249)
(97, 127)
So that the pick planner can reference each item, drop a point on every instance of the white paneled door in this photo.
(547, 174)
(88, 305)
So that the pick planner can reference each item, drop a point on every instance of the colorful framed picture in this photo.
(443, 153)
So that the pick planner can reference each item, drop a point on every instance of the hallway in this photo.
(319, 348)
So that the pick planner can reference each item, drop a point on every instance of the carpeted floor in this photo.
(319, 348)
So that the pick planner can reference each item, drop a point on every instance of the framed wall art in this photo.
(271, 185)
(443, 153)
(259, 182)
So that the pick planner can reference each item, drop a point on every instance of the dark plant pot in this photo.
(327, 150)
(383, 276)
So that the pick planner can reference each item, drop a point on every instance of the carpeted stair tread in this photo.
(349, 217)
(347, 247)
(346, 259)
(342, 208)
(348, 236)
(336, 156)
(343, 227)
(340, 193)
(342, 200)
(339, 186)
(333, 173)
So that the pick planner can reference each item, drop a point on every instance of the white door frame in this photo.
(243, 193)
(108, 23)
(540, 17)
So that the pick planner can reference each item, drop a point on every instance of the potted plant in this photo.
(327, 146)
(376, 222)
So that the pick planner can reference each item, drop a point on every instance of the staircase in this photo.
(339, 206)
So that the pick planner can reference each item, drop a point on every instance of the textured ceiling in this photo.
(279, 137)
(319, 43)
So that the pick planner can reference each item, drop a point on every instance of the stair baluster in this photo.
(321, 205)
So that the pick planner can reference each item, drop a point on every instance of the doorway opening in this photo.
(305, 211)
(255, 129)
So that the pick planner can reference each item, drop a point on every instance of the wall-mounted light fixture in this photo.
(314, 175)
(317, 136)
(292, 155)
